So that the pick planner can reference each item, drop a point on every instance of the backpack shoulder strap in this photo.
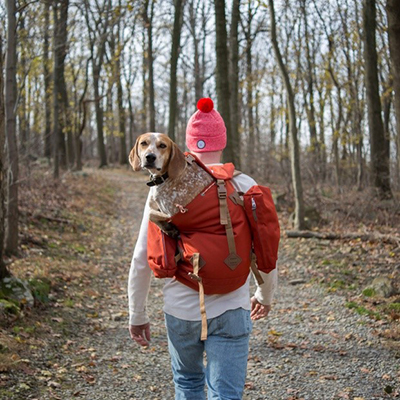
(233, 259)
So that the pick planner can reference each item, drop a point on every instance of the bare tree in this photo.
(379, 141)
(234, 82)
(47, 80)
(10, 107)
(393, 14)
(308, 93)
(98, 24)
(148, 15)
(199, 68)
(222, 78)
(294, 142)
(249, 37)
(60, 100)
(176, 40)
(117, 46)
(3, 269)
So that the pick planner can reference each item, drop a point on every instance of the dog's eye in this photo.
(143, 143)
(162, 146)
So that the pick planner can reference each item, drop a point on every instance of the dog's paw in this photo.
(171, 230)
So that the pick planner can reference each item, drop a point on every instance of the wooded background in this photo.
(309, 89)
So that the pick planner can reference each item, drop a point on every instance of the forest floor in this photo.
(326, 336)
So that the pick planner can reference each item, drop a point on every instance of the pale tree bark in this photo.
(10, 106)
(379, 148)
(3, 269)
(67, 131)
(123, 156)
(234, 82)
(145, 91)
(148, 22)
(393, 14)
(222, 77)
(97, 39)
(251, 144)
(129, 83)
(23, 128)
(294, 142)
(198, 79)
(309, 92)
(117, 50)
(47, 81)
(198, 11)
(272, 116)
(176, 44)
(354, 106)
(82, 115)
(335, 124)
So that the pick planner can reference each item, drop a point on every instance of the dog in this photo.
(174, 180)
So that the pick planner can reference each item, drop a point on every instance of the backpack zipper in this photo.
(253, 208)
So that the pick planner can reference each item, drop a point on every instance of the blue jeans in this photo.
(226, 348)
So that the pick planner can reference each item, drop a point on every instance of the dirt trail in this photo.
(311, 346)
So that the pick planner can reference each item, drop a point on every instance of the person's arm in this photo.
(139, 285)
(262, 299)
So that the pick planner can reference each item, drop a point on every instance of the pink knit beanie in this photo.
(206, 129)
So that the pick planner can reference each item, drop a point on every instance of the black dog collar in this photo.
(157, 180)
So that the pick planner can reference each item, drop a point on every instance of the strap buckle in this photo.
(222, 192)
(189, 159)
(194, 277)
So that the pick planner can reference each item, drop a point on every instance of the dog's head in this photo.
(158, 154)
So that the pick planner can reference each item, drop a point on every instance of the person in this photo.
(229, 316)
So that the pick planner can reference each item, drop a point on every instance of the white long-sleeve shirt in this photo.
(181, 301)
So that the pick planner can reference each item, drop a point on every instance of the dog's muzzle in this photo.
(150, 160)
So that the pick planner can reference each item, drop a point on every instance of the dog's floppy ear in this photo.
(134, 158)
(177, 162)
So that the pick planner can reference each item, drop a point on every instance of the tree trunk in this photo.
(148, 19)
(336, 126)
(98, 37)
(198, 79)
(99, 115)
(3, 269)
(222, 76)
(272, 116)
(82, 114)
(251, 145)
(176, 40)
(250, 113)
(24, 148)
(294, 143)
(10, 102)
(393, 14)
(309, 93)
(47, 81)
(379, 153)
(234, 82)
(60, 100)
(145, 86)
(123, 157)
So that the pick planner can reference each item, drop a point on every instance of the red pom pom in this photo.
(206, 104)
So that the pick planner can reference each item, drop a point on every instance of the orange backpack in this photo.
(222, 234)
(225, 227)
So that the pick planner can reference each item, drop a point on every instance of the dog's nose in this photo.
(150, 158)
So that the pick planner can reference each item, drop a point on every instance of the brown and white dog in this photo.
(175, 181)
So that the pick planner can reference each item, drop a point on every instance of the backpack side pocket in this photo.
(161, 250)
(263, 220)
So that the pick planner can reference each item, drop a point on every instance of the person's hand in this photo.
(140, 333)
(258, 310)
